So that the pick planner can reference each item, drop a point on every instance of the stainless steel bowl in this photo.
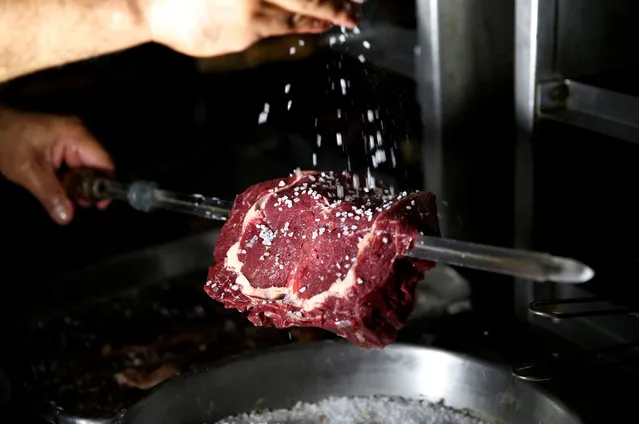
(310, 372)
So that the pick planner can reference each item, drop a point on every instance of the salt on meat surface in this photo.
(326, 250)
(359, 410)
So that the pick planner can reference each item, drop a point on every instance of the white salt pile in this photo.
(359, 410)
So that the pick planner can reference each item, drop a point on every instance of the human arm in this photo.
(38, 34)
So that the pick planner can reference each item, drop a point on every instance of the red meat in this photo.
(323, 250)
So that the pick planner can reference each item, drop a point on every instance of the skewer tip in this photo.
(571, 271)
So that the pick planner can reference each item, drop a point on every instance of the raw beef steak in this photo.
(318, 250)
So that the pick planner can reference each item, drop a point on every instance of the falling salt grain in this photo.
(338, 137)
(314, 160)
(287, 88)
(319, 140)
(264, 114)
(342, 83)
(292, 51)
(366, 45)
(370, 115)
(301, 42)
(361, 58)
(288, 106)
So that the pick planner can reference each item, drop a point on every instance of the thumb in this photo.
(42, 182)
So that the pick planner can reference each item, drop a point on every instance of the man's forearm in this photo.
(38, 34)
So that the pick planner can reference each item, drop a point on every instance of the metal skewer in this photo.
(146, 196)
(525, 264)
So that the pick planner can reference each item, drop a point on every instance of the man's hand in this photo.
(33, 146)
(215, 27)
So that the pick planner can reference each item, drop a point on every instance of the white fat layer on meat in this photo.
(339, 288)
(232, 261)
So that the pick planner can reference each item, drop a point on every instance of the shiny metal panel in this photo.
(465, 81)
(535, 23)
(590, 107)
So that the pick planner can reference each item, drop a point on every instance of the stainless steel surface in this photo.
(556, 41)
(570, 39)
(464, 77)
(590, 107)
(595, 37)
(310, 372)
(558, 309)
(550, 368)
(91, 186)
(146, 196)
(535, 266)
(591, 332)
(534, 61)
(588, 331)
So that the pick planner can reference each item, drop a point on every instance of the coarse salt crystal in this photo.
(363, 410)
